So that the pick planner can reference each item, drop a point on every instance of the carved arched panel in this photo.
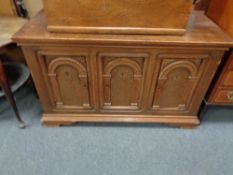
(69, 82)
(122, 80)
(176, 83)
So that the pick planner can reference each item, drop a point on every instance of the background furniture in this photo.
(6, 88)
(221, 91)
(123, 78)
(8, 26)
(221, 12)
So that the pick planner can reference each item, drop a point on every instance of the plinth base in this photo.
(56, 120)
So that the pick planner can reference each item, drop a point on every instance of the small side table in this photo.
(8, 26)
(6, 88)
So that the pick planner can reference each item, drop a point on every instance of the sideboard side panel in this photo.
(40, 83)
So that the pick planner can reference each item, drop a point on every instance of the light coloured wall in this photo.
(33, 6)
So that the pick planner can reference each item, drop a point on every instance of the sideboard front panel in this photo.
(67, 80)
(176, 84)
(121, 80)
(117, 83)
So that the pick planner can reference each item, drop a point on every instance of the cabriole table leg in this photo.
(6, 88)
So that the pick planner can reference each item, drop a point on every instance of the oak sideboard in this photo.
(123, 78)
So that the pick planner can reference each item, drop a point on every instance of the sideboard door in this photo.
(121, 79)
(67, 81)
(177, 82)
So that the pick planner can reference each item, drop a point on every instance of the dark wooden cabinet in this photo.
(221, 13)
(221, 91)
(123, 78)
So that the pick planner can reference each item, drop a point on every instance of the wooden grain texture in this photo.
(224, 96)
(118, 17)
(122, 79)
(177, 81)
(56, 120)
(200, 32)
(116, 78)
(222, 91)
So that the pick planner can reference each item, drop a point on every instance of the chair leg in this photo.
(6, 88)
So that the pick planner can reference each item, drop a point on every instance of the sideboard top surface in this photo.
(201, 32)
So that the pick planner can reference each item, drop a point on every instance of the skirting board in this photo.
(55, 120)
